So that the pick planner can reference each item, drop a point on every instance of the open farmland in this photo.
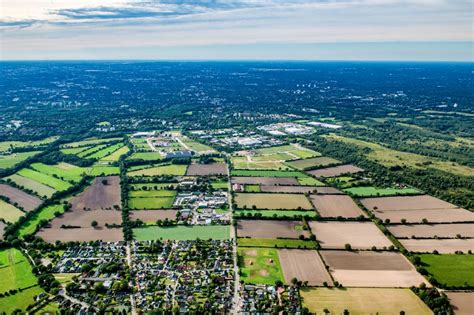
(363, 301)
(270, 229)
(423, 202)
(275, 243)
(172, 169)
(207, 169)
(36, 187)
(371, 269)
(153, 215)
(441, 268)
(10, 160)
(46, 213)
(19, 197)
(304, 265)
(336, 171)
(272, 201)
(44, 179)
(259, 265)
(293, 189)
(83, 234)
(335, 206)
(150, 203)
(433, 216)
(104, 193)
(15, 271)
(9, 212)
(267, 173)
(104, 170)
(362, 192)
(360, 235)
(89, 142)
(313, 163)
(115, 156)
(432, 230)
(146, 156)
(8, 145)
(443, 246)
(64, 171)
(265, 180)
(256, 163)
(294, 151)
(181, 232)
(461, 302)
(277, 213)
(105, 151)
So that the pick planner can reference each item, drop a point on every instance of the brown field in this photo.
(265, 180)
(433, 216)
(442, 246)
(423, 202)
(336, 171)
(360, 235)
(272, 201)
(304, 265)
(270, 229)
(83, 218)
(153, 215)
(461, 302)
(432, 230)
(371, 269)
(98, 195)
(24, 200)
(82, 234)
(207, 169)
(289, 189)
(328, 191)
(336, 205)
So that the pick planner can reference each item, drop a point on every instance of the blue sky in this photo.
(237, 29)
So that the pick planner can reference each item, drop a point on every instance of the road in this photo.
(129, 262)
(183, 144)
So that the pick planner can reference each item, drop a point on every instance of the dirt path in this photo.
(183, 144)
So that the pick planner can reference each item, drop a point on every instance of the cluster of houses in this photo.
(202, 207)
(232, 138)
(185, 276)
(288, 128)
(262, 299)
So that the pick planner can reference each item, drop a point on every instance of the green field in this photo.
(7, 145)
(147, 156)
(150, 203)
(259, 265)
(153, 186)
(10, 160)
(312, 163)
(450, 269)
(9, 212)
(46, 213)
(74, 151)
(44, 179)
(252, 188)
(172, 169)
(40, 189)
(241, 162)
(115, 156)
(220, 184)
(278, 213)
(15, 270)
(62, 170)
(289, 150)
(152, 193)
(88, 142)
(105, 151)
(380, 192)
(281, 243)
(267, 173)
(181, 232)
(310, 181)
(20, 300)
(272, 201)
(98, 170)
(91, 150)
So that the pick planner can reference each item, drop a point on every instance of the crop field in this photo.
(115, 156)
(272, 201)
(270, 229)
(10, 160)
(22, 199)
(275, 243)
(304, 265)
(64, 171)
(154, 186)
(461, 302)
(46, 213)
(20, 300)
(7, 145)
(432, 230)
(104, 170)
(172, 169)
(105, 151)
(288, 189)
(242, 162)
(181, 232)
(336, 171)
(441, 267)
(252, 188)
(146, 156)
(196, 146)
(55, 183)
(15, 270)
(259, 265)
(83, 234)
(361, 192)
(267, 173)
(104, 193)
(433, 216)
(265, 180)
(152, 193)
(277, 213)
(151, 216)
(74, 151)
(371, 269)
(443, 246)
(360, 235)
(207, 169)
(294, 152)
(91, 150)
(149, 203)
(313, 163)
(309, 181)
(363, 301)
(219, 184)
(38, 188)
(422, 202)
(335, 206)
(9, 212)
(88, 142)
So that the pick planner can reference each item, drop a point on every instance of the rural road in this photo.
(129, 262)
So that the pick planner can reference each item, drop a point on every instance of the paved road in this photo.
(129, 262)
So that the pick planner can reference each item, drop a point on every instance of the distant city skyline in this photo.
(401, 30)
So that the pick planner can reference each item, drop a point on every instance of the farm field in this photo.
(433, 216)
(295, 152)
(7, 145)
(461, 302)
(242, 162)
(309, 181)
(88, 142)
(153, 186)
(152, 193)
(150, 203)
(21, 198)
(172, 169)
(44, 179)
(288, 189)
(83, 234)
(361, 192)
(277, 213)
(15, 270)
(270, 229)
(10, 160)
(20, 300)
(272, 201)
(196, 146)
(207, 169)
(423, 202)
(74, 151)
(9, 212)
(265, 180)
(115, 156)
(47, 213)
(371, 269)
(363, 301)
(105, 151)
(38, 188)
(274, 243)
(218, 184)
(336, 205)
(313, 163)
(146, 156)
(104, 193)
(441, 268)
(259, 265)
(181, 232)
(360, 235)
(252, 188)
(267, 173)
(442, 246)
(151, 216)
(104, 170)
(64, 171)
(91, 150)
(336, 171)
(432, 230)
(304, 265)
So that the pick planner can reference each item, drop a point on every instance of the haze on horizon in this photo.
(424, 30)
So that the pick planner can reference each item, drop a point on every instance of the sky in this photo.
(426, 30)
